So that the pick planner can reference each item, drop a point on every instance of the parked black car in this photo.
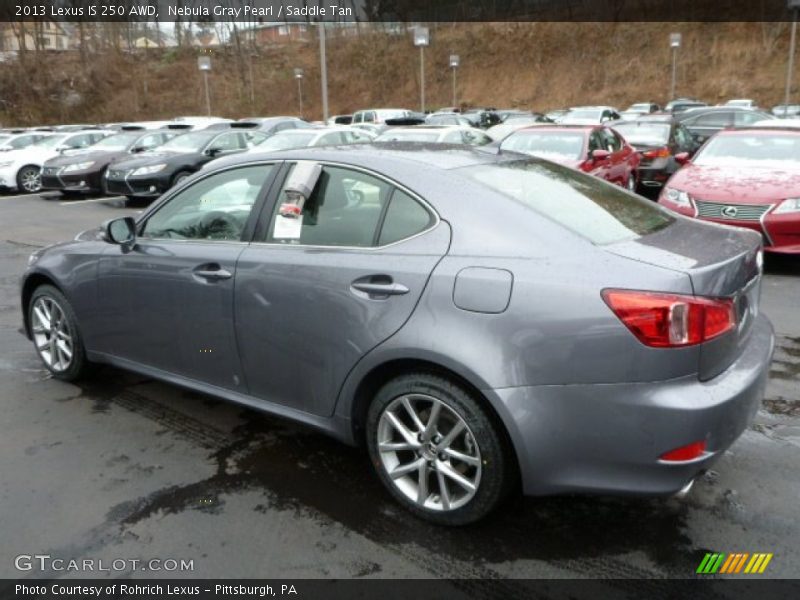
(657, 139)
(703, 123)
(150, 174)
(85, 172)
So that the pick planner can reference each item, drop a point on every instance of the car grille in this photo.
(731, 212)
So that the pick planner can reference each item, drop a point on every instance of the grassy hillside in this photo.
(531, 65)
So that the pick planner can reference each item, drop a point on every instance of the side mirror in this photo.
(214, 152)
(137, 149)
(682, 158)
(600, 154)
(121, 231)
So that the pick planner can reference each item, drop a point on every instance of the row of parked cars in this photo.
(641, 149)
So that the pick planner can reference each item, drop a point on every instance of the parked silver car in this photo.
(476, 320)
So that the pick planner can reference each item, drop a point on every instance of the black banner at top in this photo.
(266, 11)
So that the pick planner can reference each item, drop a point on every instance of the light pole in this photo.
(455, 61)
(421, 39)
(793, 6)
(298, 74)
(323, 69)
(204, 64)
(675, 43)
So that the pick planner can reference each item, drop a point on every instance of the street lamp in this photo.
(323, 70)
(298, 74)
(794, 5)
(204, 65)
(455, 61)
(674, 43)
(422, 39)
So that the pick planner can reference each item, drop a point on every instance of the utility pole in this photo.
(455, 61)
(793, 6)
(675, 43)
(323, 69)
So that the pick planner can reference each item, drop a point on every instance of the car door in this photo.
(312, 298)
(168, 302)
(620, 157)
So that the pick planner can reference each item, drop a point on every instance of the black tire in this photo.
(79, 366)
(497, 471)
(23, 177)
(179, 177)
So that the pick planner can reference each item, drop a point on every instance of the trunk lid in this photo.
(721, 262)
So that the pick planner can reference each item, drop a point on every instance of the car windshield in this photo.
(646, 134)
(284, 141)
(50, 141)
(117, 143)
(582, 203)
(585, 114)
(554, 145)
(408, 136)
(778, 150)
(187, 142)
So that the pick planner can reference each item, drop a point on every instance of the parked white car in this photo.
(433, 134)
(379, 115)
(16, 140)
(590, 115)
(20, 170)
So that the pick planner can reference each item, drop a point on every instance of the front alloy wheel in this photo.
(55, 334)
(437, 449)
(29, 179)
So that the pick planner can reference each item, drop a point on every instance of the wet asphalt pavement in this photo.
(124, 467)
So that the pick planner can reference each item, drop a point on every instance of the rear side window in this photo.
(404, 218)
(584, 204)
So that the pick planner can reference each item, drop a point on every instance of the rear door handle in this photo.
(378, 286)
(211, 273)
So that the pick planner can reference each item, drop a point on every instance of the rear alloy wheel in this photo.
(55, 334)
(436, 450)
(29, 179)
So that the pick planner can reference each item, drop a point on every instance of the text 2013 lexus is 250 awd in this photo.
(477, 320)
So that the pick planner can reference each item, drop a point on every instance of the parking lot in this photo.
(123, 467)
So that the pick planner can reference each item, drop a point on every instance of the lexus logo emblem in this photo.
(730, 211)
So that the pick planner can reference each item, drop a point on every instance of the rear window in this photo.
(647, 134)
(553, 145)
(601, 213)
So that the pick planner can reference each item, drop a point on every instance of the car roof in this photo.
(653, 118)
(380, 155)
(562, 126)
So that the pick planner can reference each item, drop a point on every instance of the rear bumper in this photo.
(607, 438)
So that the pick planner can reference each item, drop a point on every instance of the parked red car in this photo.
(595, 149)
(746, 178)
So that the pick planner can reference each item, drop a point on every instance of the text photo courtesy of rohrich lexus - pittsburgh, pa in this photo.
(399, 299)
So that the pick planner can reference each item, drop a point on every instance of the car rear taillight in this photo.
(657, 153)
(671, 320)
(684, 453)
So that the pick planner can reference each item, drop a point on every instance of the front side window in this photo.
(226, 143)
(214, 208)
(344, 209)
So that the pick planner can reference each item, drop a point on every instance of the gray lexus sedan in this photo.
(481, 322)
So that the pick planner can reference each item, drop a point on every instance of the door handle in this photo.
(209, 273)
(378, 287)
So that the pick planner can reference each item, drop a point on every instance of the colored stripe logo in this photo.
(734, 563)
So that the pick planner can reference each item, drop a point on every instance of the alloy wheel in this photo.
(31, 180)
(52, 334)
(429, 452)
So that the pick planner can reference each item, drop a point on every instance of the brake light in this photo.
(658, 153)
(684, 453)
(671, 320)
